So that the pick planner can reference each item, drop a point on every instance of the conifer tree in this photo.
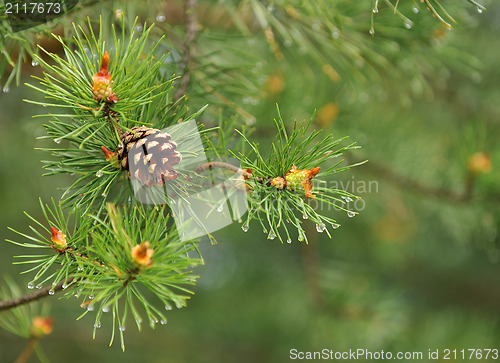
(146, 116)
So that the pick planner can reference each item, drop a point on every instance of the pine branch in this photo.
(28, 351)
(219, 164)
(39, 294)
(191, 31)
(418, 187)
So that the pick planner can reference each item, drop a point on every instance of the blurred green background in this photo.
(412, 272)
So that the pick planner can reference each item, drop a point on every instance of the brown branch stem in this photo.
(312, 267)
(28, 351)
(418, 187)
(28, 298)
(220, 164)
(191, 31)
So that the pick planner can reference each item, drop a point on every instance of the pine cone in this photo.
(149, 155)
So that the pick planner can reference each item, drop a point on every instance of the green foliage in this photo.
(98, 264)
(275, 208)
(98, 256)
(74, 225)
(143, 100)
(108, 278)
(104, 226)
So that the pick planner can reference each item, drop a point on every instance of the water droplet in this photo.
(104, 194)
(51, 292)
(161, 18)
(34, 63)
(120, 146)
(138, 28)
(351, 214)
(99, 173)
(163, 322)
(91, 297)
(479, 10)
(31, 285)
(245, 227)
(6, 90)
(301, 237)
(39, 286)
(57, 141)
(168, 307)
(122, 328)
(408, 25)
(289, 240)
(179, 305)
(347, 199)
(64, 286)
(106, 309)
(90, 307)
(320, 227)
(335, 226)
(97, 324)
(77, 293)
(371, 31)
(271, 235)
(80, 268)
(415, 10)
(375, 10)
(304, 216)
(335, 34)
(220, 208)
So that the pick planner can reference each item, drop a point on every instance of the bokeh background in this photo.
(417, 269)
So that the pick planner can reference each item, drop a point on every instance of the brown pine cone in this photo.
(149, 155)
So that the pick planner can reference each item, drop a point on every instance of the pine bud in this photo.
(141, 254)
(479, 163)
(41, 327)
(59, 239)
(102, 82)
(296, 178)
(111, 156)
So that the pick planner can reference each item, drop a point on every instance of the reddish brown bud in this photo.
(59, 239)
(102, 82)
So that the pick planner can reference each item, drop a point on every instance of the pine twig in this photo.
(28, 351)
(312, 268)
(221, 164)
(415, 186)
(28, 298)
(191, 31)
